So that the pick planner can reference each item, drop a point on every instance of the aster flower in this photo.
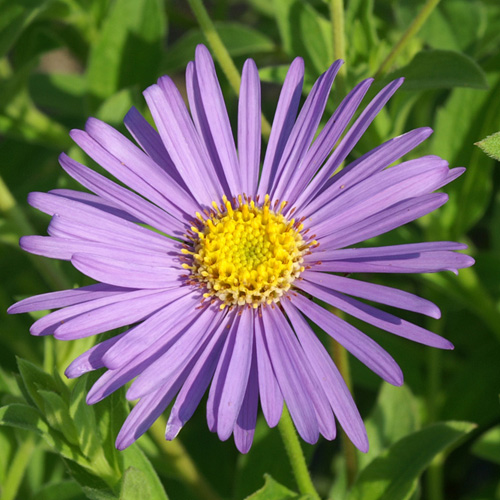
(214, 263)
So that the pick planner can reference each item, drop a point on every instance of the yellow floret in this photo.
(247, 254)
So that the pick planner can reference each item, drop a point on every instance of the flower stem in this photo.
(180, 461)
(9, 208)
(412, 30)
(296, 456)
(221, 53)
(351, 461)
(338, 33)
(435, 471)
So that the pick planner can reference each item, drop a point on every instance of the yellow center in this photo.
(247, 254)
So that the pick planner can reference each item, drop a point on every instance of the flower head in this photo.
(216, 261)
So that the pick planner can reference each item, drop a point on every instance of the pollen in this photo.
(247, 254)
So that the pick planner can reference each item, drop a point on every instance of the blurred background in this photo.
(62, 61)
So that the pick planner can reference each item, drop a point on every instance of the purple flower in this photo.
(216, 262)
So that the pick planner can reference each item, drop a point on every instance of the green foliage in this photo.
(441, 69)
(488, 445)
(393, 474)
(491, 145)
(64, 60)
(272, 490)
(128, 49)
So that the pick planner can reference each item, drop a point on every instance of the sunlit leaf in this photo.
(393, 475)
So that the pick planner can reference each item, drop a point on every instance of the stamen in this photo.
(245, 254)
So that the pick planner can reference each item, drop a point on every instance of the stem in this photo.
(348, 449)
(221, 53)
(338, 33)
(18, 468)
(435, 471)
(296, 456)
(412, 30)
(180, 461)
(50, 272)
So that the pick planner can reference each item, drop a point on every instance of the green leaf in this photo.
(488, 445)
(56, 412)
(140, 476)
(84, 418)
(35, 379)
(393, 475)
(93, 487)
(395, 415)
(63, 490)
(129, 48)
(252, 466)
(26, 417)
(23, 417)
(466, 117)
(109, 416)
(273, 490)
(277, 74)
(134, 485)
(61, 93)
(304, 32)
(491, 145)
(116, 107)
(16, 16)
(453, 25)
(237, 38)
(441, 69)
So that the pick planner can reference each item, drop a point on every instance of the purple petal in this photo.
(387, 251)
(271, 398)
(95, 222)
(304, 129)
(124, 198)
(212, 101)
(386, 220)
(313, 387)
(349, 141)
(428, 262)
(64, 249)
(198, 380)
(356, 342)
(178, 355)
(376, 317)
(244, 429)
(249, 125)
(376, 293)
(114, 379)
(92, 359)
(123, 172)
(284, 118)
(150, 141)
(217, 386)
(325, 142)
(132, 158)
(48, 324)
(378, 192)
(163, 325)
(182, 140)
(95, 201)
(334, 386)
(236, 376)
(64, 298)
(291, 376)
(201, 119)
(371, 163)
(147, 410)
(126, 273)
(113, 314)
